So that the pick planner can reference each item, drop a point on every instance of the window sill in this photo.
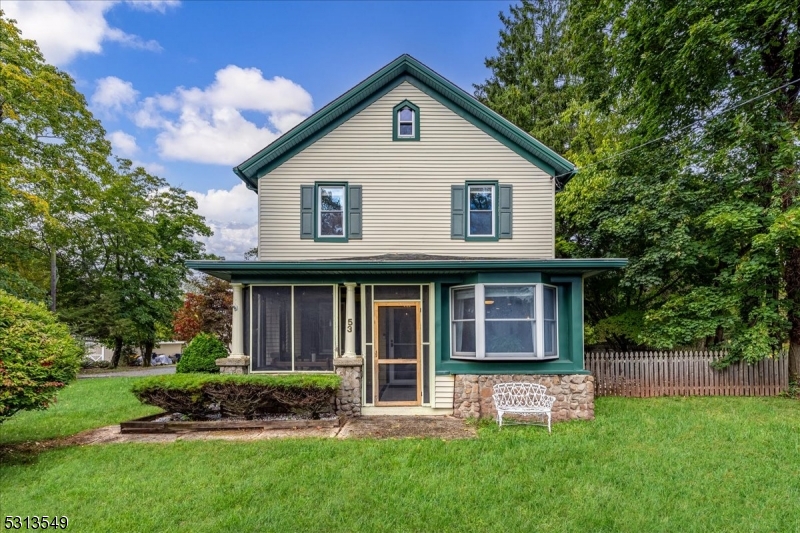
(503, 359)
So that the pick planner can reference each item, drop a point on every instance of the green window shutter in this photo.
(354, 208)
(505, 206)
(457, 209)
(306, 211)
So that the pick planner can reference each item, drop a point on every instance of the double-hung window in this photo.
(504, 321)
(405, 122)
(331, 218)
(481, 211)
(330, 212)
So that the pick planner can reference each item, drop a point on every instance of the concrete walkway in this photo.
(152, 371)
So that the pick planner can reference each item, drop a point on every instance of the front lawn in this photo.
(670, 464)
(83, 404)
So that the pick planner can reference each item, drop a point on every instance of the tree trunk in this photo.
(53, 279)
(117, 352)
(792, 279)
(147, 352)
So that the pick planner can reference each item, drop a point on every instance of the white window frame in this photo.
(405, 122)
(319, 211)
(453, 321)
(493, 212)
(480, 325)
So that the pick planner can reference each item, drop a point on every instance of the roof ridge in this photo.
(337, 110)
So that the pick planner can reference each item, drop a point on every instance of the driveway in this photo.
(152, 371)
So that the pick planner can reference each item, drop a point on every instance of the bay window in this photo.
(504, 322)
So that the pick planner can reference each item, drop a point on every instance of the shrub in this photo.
(37, 356)
(201, 355)
(177, 393)
(241, 396)
(91, 363)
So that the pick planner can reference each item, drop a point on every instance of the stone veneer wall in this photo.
(348, 399)
(234, 365)
(574, 394)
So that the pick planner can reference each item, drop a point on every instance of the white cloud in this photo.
(153, 168)
(63, 29)
(207, 125)
(113, 94)
(232, 216)
(153, 5)
(124, 144)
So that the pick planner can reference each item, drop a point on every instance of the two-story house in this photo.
(406, 241)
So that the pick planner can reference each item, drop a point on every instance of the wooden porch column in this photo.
(237, 333)
(350, 321)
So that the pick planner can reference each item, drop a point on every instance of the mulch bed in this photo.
(174, 423)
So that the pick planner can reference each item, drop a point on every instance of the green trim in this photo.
(254, 269)
(345, 214)
(398, 107)
(404, 68)
(570, 334)
(495, 210)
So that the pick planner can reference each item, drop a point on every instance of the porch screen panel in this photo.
(397, 292)
(246, 321)
(368, 376)
(313, 328)
(425, 316)
(426, 372)
(271, 328)
(369, 314)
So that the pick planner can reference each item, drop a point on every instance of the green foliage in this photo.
(37, 356)
(705, 211)
(201, 355)
(112, 238)
(239, 395)
(793, 391)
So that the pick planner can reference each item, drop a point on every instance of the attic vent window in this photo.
(405, 122)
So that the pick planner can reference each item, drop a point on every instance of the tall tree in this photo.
(125, 283)
(207, 308)
(51, 150)
(702, 201)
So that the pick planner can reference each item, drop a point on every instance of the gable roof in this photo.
(403, 69)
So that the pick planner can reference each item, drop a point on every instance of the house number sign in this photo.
(349, 325)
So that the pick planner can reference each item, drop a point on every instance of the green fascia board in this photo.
(228, 269)
(409, 68)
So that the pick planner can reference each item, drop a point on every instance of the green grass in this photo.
(671, 464)
(84, 404)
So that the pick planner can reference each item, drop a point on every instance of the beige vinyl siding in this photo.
(444, 392)
(406, 187)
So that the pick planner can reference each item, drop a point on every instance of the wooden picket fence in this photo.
(687, 373)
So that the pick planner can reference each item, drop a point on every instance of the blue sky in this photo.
(189, 89)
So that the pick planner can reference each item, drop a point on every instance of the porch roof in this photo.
(405, 264)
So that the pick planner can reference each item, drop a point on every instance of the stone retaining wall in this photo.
(574, 394)
(348, 399)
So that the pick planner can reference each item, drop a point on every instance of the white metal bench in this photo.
(522, 399)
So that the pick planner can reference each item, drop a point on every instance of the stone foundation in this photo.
(348, 399)
(574, 394)
(234, 365)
